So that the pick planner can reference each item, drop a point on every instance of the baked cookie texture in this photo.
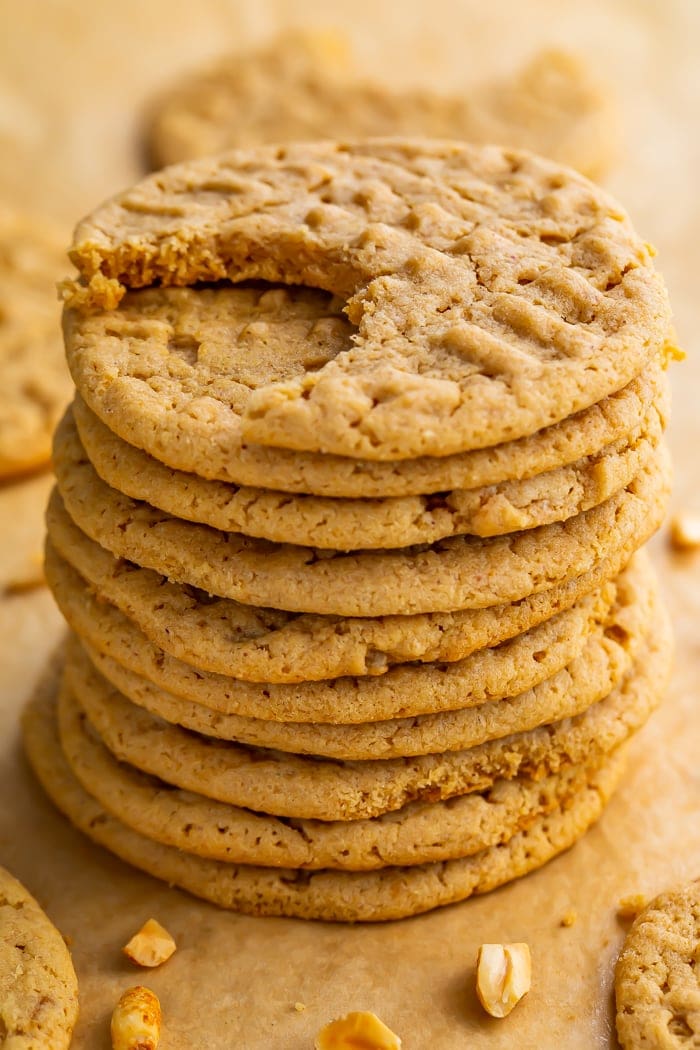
(409, 689)
(269, 645)
(401, 521)
(657, 991)
(346, 527)
(481, 285)
(34, 383)
(416, 834)
(38, 986)
(389, 893)
(302, 87)
(462, 572)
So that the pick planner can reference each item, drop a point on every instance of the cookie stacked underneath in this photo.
(348, 557)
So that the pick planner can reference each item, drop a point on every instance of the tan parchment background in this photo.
(73, 75)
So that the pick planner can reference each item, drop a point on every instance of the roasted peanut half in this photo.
(503, 976)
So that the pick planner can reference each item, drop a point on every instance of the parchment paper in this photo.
(72, 79)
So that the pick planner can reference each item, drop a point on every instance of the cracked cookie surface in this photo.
(491, 293)
(343, 524)
(657, 985)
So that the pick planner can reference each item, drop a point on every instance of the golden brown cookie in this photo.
(456, 573)
(38, 986)
(102, 685)
(579, 436)
(296, 88)
(492, 293)
(343, 524)
(390, 893)
(420, 833)
(21, 512)
(34, 381)
(657, 985)
(406, 690)
(267, 645)
(326, 789)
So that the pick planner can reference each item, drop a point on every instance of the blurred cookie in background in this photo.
(302, 87)
(22, 505)
(34, 381)
(34, 387)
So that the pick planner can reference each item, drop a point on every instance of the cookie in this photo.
(491, 293)
(656, 978)
(585, 681)
(23, 530)
(398, 521)
(34, 382)
(422, 832)
(390, 893)
(266, 645)
(326, 789)
(411, 689)
(294, 88)
(138, 415)
(456, 573)
(38, 986)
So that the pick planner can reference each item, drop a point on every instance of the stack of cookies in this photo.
(365, 439)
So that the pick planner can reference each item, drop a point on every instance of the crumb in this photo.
(569, 918)
(300, 1007)
(357, 1030)
(151, 946)
(629, 907)
(684, 531)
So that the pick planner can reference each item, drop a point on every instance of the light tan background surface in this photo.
(72, 78)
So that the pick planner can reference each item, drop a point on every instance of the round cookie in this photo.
(584, 682)
(34, 382)
(413, 689)
(390, 893)
(583, 434)
(657, 990)
(456, 573)
(38, 986)
(492, 293)
(294, 88)
(421, 833)
(266, 645)
(399, 521)
(329, 789)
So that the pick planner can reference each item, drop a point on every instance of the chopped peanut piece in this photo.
(151, 946)
(357, 1031)
(569, 918)
(136, 1020)
(503, 976)
(630, 907)
(685, 531)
